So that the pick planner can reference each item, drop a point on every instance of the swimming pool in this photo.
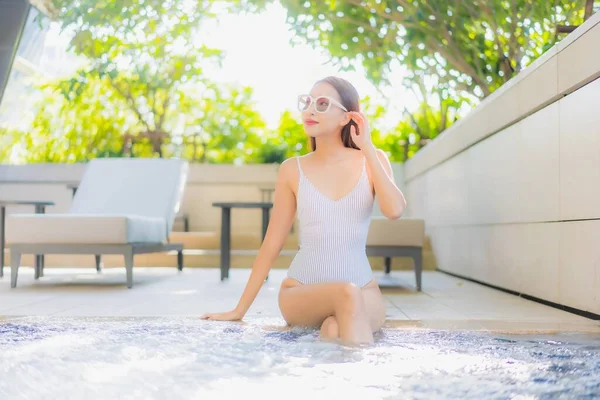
(171, 358)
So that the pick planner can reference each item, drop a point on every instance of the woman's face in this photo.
(323, 123)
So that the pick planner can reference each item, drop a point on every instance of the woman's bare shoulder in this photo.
(288, 170)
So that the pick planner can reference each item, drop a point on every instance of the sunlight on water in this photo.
(186, 358)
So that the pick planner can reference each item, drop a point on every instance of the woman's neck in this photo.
(329, 147)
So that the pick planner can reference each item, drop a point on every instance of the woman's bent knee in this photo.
(349, 292)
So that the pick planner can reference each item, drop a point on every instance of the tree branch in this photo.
(589, 9)
(358, 23)
(454, 55)
(165, 105)
(492, 21)
(129, 99)
(460, 65)
(395, 16)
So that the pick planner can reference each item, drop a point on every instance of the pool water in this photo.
(162, 358)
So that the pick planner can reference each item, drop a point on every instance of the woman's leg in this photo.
(330, 329)
(375, 309)
(312, 305)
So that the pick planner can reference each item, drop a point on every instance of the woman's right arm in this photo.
(280, 224)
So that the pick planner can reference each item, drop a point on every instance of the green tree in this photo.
(75, 124)
(438, 109)
(415, 131)
(291, 132)
(143, 91)
(471, 46)
(455, 52)
(146, 51)
(222, 125)
(76, 128)
(8, 138)
(269, 152)
(285, 141)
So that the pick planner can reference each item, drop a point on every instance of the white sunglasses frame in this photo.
(313, 102)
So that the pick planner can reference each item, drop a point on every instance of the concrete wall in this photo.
(511, 193)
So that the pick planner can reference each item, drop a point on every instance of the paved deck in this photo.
(445, 302)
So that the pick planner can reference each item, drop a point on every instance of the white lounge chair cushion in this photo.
(84, 229)
(396, 232)
(150, 187)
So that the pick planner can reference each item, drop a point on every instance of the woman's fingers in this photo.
(358, 117)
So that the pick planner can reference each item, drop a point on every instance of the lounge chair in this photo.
(397, 238)
(122, 206)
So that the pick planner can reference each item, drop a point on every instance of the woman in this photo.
(331, 190)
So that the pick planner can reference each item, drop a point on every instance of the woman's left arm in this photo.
(391, 200)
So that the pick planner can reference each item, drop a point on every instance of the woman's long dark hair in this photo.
(350, 99)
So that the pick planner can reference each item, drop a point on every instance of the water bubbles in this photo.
(189, 358)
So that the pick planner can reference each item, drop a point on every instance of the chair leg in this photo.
(15, 261)
(180, 260)
(98, 263)
(388, 265)
(37, 266)
(418, 260)
(129, 267)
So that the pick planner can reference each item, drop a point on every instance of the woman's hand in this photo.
(225, 316)
(362, 138)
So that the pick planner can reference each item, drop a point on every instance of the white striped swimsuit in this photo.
(333, 234)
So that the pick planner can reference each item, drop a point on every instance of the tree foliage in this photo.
(438, 109)
(454, 52)
(146, 51)
(472, 46)
(68, 129)
(144, 91)
(287, 140)
(215, 124)
(8, 139)
(222, 125)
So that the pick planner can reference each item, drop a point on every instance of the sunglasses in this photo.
(322, 103)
